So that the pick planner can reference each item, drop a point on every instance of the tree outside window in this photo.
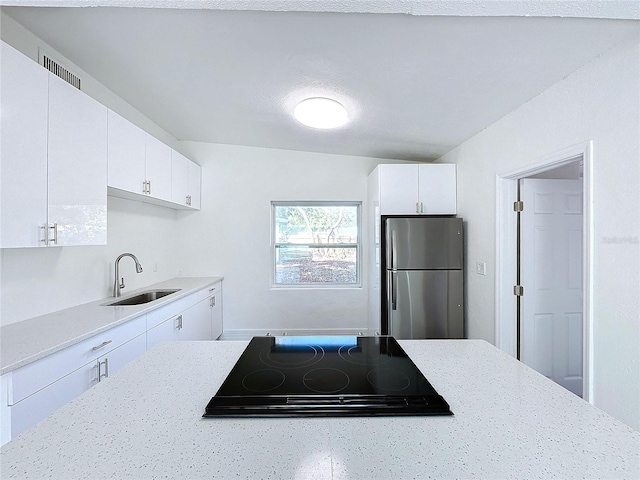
(316, 243)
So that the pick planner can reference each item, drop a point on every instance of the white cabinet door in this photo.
(158, 168)
(196, 322)
(216, 316)
(437, 189)
(194, 176)
(5, 409)
(77, 166)
(166, 331)
(23, 149)
(399, 189)
(41, 404)
(179, 178)
(126, 154)
(213, 295)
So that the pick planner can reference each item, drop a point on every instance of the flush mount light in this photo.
(319, 112)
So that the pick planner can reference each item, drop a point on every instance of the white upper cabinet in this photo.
(138, 162)
(158, 168)
(23, 149)
(185, 181)
(437, 189)
(141, 167)
(194, 178)
(398, 189)
(179, 169)
(54, 159)
(417, 189)
(126, 155)
(77, 166)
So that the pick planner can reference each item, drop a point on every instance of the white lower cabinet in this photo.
(216, 315)
(196, 322)
(41, 404)
(33, 392)
(5, 409)
(164, 332)
(192, 324)
(213, 296)
(44, 402)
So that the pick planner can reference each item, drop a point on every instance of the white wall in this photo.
(36, 281)
(599, 102)
(231, 236)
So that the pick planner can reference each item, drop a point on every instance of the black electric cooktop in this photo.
(325, 376)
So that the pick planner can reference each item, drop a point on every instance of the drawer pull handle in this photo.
(103, 344)
(106, 369)
(212, 289)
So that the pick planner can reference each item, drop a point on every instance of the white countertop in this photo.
(145, 422)
(24, 342)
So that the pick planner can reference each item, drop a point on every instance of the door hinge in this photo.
(518, 290)
(518, 206)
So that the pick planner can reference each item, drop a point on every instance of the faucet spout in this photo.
(119, 284)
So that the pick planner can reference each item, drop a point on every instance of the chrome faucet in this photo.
(118, 285)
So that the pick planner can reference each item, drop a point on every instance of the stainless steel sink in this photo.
(144, 297)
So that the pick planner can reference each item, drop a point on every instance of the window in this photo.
(316, 243)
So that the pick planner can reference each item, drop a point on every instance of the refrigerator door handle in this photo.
(394, 252)
(394, 290)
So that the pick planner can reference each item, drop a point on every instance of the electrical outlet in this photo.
(481, 268)
(155, 266)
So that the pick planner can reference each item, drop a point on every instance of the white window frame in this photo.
(317, 203)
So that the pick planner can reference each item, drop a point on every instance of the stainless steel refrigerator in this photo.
(424, 280)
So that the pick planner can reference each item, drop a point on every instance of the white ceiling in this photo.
(415, 85)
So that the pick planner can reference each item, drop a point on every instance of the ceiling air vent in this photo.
(58, 70)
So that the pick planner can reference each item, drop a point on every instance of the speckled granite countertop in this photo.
(145, 422)
(24, 342)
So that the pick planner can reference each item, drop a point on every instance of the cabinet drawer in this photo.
(44, 402)
(161, 314)
(37, 375)
(32, 409)
(209, 291)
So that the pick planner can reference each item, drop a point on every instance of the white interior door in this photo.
(551, 316)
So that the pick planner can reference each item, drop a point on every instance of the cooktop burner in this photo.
(325, 376)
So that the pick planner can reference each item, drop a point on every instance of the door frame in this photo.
(506, 254)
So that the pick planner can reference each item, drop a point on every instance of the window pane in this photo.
(302, 264)
(316, 224)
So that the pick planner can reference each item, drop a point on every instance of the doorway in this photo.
(543, 282)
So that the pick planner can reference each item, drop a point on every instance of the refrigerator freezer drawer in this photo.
(425, 304)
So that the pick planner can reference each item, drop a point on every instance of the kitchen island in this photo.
(146, 421)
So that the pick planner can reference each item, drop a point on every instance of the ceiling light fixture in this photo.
(320, 112)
